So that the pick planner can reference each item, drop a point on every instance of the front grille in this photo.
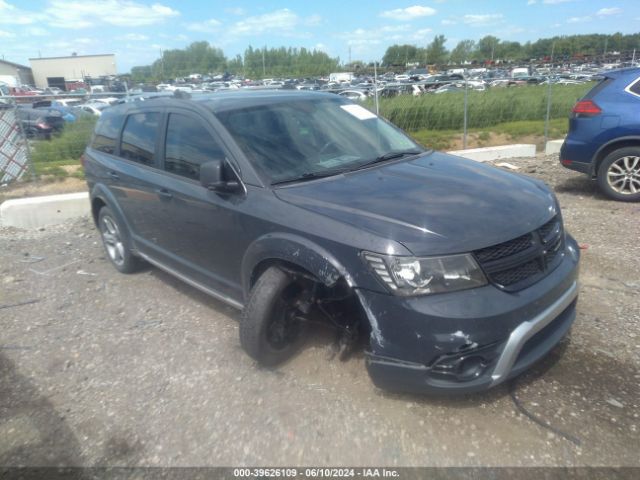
(520, 262)
(504, 249)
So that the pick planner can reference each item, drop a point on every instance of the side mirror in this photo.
(212, 176)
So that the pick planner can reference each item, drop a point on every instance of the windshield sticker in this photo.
(359, 112)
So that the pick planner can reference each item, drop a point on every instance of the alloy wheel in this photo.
(112, 240)
(623, 175)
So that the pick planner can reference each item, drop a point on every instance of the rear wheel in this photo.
(116, 243)
(271, 328)
(619, 174)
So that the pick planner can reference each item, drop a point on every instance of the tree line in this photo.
(201, 57)
(492, 49)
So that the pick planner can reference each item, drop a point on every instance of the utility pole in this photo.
(546, 123)
(264, 74)
(633, 60)
(375, 85)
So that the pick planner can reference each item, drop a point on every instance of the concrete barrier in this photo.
(497, 153)
(38, 212)
(553, 146)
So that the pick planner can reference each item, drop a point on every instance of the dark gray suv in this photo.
(299, 207)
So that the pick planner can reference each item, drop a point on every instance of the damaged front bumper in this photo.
(470, 340)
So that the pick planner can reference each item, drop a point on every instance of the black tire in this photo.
(269, 330)
(116, 242)
(613, 168)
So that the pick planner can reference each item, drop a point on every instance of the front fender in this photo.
(296, 250)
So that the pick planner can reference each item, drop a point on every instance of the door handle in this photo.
(164, 193)
(113, 175)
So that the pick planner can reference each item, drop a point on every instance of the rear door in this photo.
(132, 176)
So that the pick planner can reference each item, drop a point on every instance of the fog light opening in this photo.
(472, 367)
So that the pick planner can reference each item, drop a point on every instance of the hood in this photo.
(435, 204)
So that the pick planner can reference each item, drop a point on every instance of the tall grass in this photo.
(498, 105)
(66, 147)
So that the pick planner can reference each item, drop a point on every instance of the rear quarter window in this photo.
(108, 127)
(139, 138)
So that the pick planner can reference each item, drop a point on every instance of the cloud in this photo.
(11, 15)
(75, 14)
(420, 34)
(313, 20)
(447, 21)
(409, 13)
(604, 12)
(555, 2)
(4, 34)
(531, 2)
(483, 20)
(236, 11)
(136, 37)
(207, 26)
(579, 19)
(360, 38)
(279, 21)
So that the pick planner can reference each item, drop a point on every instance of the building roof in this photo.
(74, 56)
(15, 64)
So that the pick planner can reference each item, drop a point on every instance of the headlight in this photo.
(422, 276)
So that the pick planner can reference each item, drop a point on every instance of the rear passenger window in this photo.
(188, 145)
(107, 131)
(635, 88)
(139, 138)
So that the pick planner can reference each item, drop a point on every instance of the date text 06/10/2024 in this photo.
(315, 472)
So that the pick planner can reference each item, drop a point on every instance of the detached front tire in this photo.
(116, 242)
(619, 174)
(271, 327)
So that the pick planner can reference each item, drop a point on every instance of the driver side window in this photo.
(188, 145)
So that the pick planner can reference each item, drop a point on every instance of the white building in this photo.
(57, 71)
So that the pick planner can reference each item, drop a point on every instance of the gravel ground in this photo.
(110, 369)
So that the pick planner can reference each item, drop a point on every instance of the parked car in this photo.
(604, 135)
(66, 112)
(355, 95)
(34, 123)
(68, 102)
(303, 206)
(95, 108)
(50, 116)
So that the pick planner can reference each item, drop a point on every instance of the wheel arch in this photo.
(292, 252)
(102, 197)
(612, 146)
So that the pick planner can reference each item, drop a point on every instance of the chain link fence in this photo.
(469, 116)
(14, 148)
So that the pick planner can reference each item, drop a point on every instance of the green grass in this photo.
(443, 139)
(49, 156)
(67, 146)
(485, 109)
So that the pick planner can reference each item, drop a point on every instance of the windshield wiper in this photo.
(389, 156)
(312, 176)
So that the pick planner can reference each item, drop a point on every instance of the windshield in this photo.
(313, 137)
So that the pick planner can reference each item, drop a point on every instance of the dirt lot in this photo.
(100, 368)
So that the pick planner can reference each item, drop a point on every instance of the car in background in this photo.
(355, 95)
(34, 123)
(68, 102)
(66, 112)
(604, 135)
(93, 108)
